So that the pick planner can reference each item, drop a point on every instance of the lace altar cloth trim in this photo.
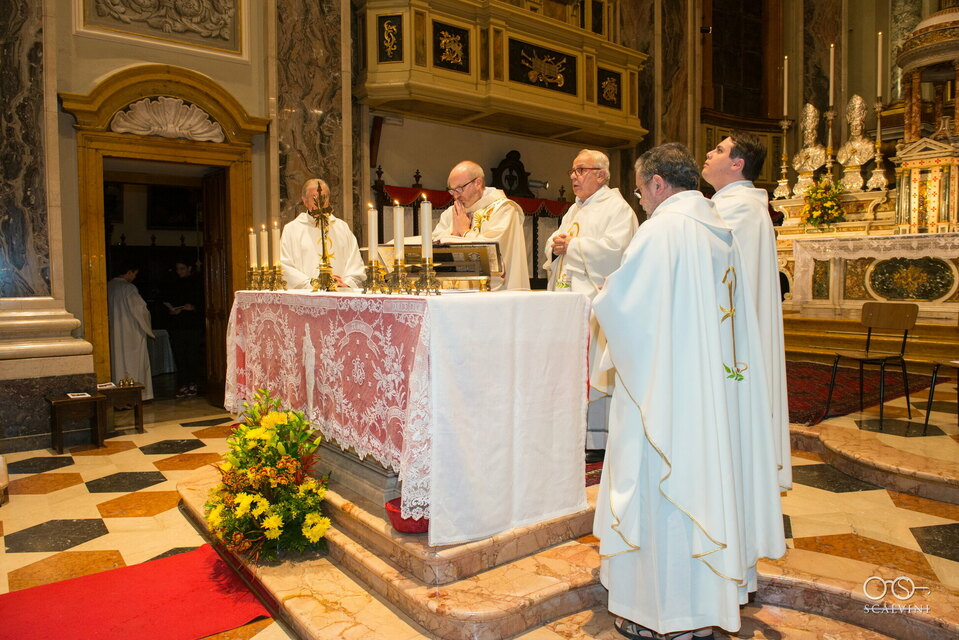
(357, 366)
(919, 245)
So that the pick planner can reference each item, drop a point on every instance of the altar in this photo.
(477, 401)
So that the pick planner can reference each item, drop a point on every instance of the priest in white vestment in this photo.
(689, 499)
(484, 214)
(730, 168)
(300, 244)
(580, 254)
(130, 326)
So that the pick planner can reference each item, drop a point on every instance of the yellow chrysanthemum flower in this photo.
(215, 517)
(262, 504)
(226, 466)
(315, 527)
(275, 418)
(273, 521)
(273, 534)
(243, 503)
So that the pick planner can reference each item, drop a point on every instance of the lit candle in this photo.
(832, 65)
(372, 227)
(275, 243)
(264, 247)
(398, 234)
(785, 86)
(426, 226)
(879, 68)
(252, 249)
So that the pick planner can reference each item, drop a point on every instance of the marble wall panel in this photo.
(26, 412)
(676, 78)
(24, 241)
(636, 32)
(309, 121)
(904, 15)
(822, 25)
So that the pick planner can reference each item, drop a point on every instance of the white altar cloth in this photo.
(477, 401)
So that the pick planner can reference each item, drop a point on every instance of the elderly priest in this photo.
(484, 214)
(689, 500)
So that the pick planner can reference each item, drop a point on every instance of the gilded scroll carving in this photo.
(213, 19)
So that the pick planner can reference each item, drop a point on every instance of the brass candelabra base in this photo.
(324, 281)
(375, 278)
(277, 283)
(782, 187)
(252, 278)
(399, 281)
(427, 284)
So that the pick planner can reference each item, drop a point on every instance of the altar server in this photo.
(689, 500)
(483, 214)
(730, 168)
(580, 254)
(300, 243)
(130, 326)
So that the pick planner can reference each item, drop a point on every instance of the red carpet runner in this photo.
(182, 597)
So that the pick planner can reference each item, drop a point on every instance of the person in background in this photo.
(183, 302)
(129, 329)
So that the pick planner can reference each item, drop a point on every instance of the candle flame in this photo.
(396, 203)
(423, 195)
(263, 226)
(369, 205)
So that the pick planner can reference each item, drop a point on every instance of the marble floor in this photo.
(91, 510)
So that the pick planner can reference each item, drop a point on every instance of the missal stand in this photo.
(92, 406)
(458, 265)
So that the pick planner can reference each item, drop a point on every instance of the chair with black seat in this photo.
(881, 316)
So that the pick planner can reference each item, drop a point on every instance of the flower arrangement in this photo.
(822, 207)
(266, 500)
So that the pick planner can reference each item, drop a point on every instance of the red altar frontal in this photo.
(476, 400)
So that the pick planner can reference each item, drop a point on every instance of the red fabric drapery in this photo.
(441, 199)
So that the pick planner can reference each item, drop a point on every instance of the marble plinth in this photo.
(25, 423)
(366, 481)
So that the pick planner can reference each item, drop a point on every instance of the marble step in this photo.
(368, 525)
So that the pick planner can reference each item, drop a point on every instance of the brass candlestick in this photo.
(827, 176)
(399, 280)
(251, 279)
(375, 278)
(782, 190)
(324, 280)
(277, 283)
(427, 284)
(878, 178)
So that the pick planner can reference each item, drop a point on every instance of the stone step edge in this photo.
(447, 564)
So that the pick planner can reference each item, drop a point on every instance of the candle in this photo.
(264, 247)
(785, 86)
(398, 234)
(252, 249)
(372, 228)
(426, 226)
(879, 68)
(275, 243)
(832, 65)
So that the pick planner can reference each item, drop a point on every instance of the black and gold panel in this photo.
(610, 85)
(820, 280)
(541, 67)
(451, 47)
(389, 38)
(912, 278)
(855, 285)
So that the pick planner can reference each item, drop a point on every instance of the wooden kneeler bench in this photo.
(63, 407)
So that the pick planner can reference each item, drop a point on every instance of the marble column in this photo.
(822, 22)
(904, 15)
(955, 100)
(915, 104)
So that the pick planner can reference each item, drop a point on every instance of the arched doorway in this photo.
(228, 216)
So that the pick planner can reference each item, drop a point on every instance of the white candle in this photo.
(275, 243)
(785, 86)
(264, 247)
(832, 65)
(252, 248)
(879, 68)
(426, 227)
(373, 230)
(399, 237)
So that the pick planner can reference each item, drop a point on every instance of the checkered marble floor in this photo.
(91, 510)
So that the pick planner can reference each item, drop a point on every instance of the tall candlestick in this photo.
(879, 67)
(832, 65)
(785, 86)
(399, 237)
(426, 227)
(373, 232)
(252, 249)
(264, 247)
(275, 243)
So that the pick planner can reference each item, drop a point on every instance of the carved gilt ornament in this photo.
(546, 69)
(168, 118)
(452, 48)
(610, 89)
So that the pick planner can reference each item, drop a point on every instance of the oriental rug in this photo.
(182, 597)
(807, 384)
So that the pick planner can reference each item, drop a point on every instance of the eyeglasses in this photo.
(458, 190)
(581, 171)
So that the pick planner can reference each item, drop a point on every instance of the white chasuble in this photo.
(745, 209)
(688, 500)
(495, 219)
(300, 252)
(600, 229)
(130, 326)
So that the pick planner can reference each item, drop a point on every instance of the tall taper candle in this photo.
(252, 249)
(832, 66)
(275, 243)
(879, 67)
(373, 231)
(264, 247)
(399, 236)
(426, 227)
(785, 86)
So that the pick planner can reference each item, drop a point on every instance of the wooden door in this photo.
(216, 275)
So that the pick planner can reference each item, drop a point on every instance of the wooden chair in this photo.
(932, 389)
(883, 316)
